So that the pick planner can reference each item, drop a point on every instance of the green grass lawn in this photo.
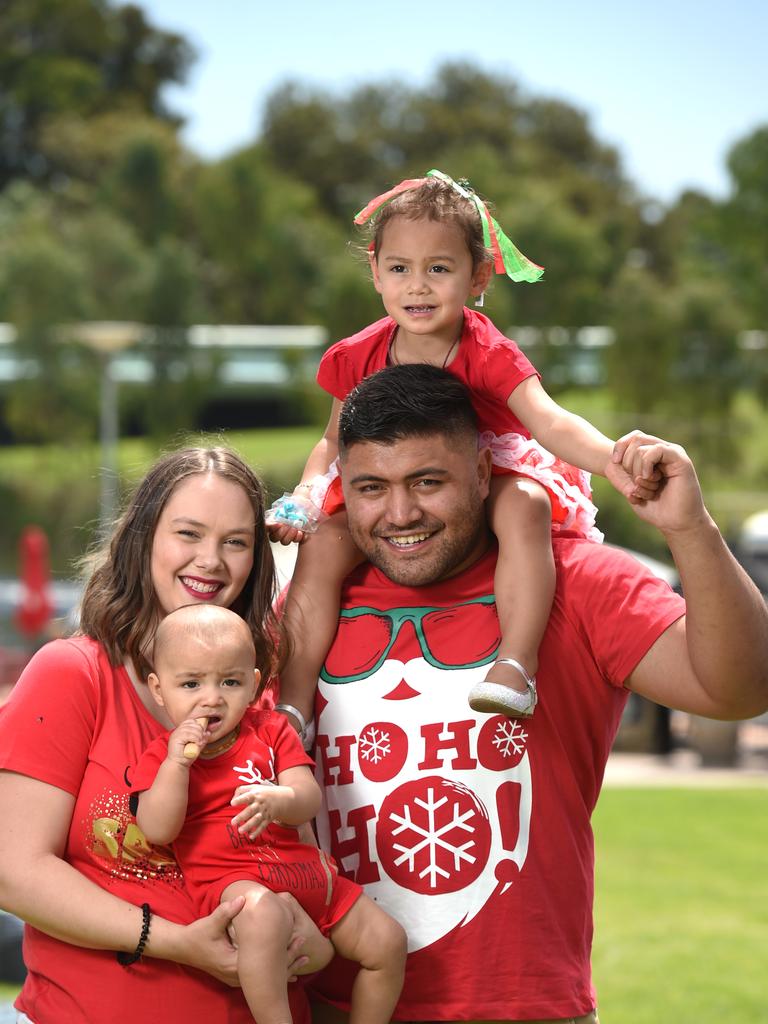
(681, 915)
(7, 993)
(271, 452)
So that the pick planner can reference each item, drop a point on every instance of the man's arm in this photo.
(714, 661)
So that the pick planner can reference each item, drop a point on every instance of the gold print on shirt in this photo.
(115, 837)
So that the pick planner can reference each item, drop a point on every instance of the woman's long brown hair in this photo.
(120, 608)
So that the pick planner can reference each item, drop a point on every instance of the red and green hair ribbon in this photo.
(507, 258)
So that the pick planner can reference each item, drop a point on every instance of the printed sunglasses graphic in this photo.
(464, 635)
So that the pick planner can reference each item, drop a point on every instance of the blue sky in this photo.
(671, 84)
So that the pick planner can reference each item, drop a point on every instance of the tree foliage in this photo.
(81, 58)
(744, 223)
(105, 215)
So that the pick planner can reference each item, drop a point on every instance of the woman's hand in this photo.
(304, 929)
(296, 958)
(308, 951)
(206, 945)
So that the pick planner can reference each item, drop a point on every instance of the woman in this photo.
(73, 863)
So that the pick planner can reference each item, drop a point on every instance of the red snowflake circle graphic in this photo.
(502, 742)
(433, 836)
(382, 748)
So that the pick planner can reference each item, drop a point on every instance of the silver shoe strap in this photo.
(530, 681)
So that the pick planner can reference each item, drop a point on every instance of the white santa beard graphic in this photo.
(456, 804)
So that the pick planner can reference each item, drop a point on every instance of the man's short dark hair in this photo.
(413, 400)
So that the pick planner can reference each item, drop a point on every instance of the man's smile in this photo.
(408, 540)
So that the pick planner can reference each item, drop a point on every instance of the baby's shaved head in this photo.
(207, 624)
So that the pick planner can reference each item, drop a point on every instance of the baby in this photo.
(205, 677)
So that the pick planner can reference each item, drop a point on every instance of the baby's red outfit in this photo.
(213, 854)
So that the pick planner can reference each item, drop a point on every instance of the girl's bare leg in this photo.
(520, 515)
(377, 942)
(311, 613)
(262, 931)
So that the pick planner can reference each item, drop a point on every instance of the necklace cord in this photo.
(394, 361)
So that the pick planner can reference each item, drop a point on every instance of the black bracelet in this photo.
(126, 959)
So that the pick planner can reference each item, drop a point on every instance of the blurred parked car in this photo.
(645, 726)
(717, 743)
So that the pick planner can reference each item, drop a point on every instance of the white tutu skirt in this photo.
(568, 486)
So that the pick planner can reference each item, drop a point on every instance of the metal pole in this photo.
(108, 434)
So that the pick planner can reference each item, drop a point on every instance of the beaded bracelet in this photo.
(126, 959)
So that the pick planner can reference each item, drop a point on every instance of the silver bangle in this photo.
(291, 710)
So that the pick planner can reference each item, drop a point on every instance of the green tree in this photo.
(42, 282)
(347, 148)
(60, 265)
(267, 248)
(716, 254)
(744, 220)
(641, 360)
(79, 58)
(708, 372)
(172, 301)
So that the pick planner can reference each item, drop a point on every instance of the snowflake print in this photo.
(503, 743)
(374, 744)
(382, 748)
(510, 737)
(433, 836)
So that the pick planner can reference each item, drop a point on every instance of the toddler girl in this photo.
(434, 244)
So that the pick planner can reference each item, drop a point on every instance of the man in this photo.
(474, 830)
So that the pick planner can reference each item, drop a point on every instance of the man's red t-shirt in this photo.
(474, 830)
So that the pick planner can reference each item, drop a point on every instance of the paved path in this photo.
(682, 768)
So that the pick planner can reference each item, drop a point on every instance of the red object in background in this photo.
(35, 608)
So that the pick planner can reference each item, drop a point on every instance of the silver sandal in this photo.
(495, 699)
